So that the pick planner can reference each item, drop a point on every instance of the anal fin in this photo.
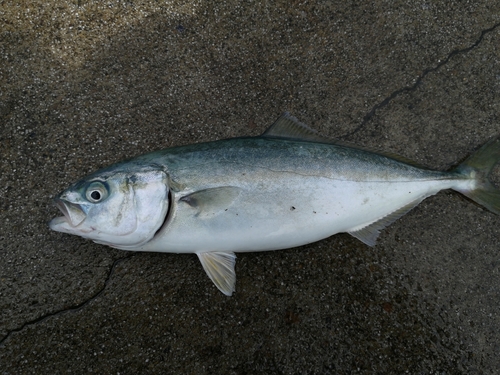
(369, 233)
(219, 267)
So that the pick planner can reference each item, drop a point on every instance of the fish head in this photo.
(117, 208)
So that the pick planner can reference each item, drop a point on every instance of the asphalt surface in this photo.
(87, 83)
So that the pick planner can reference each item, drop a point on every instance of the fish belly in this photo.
(289, 212)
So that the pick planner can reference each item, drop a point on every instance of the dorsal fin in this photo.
(288, 127)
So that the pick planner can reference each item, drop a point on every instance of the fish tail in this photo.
(478, 167)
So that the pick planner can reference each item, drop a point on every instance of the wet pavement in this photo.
(86, 83)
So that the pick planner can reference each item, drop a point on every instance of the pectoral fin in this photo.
(219, 266)
(211, 202)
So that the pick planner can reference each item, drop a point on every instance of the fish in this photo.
(288, 187)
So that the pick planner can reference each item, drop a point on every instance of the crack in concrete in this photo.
(418, 81)
(74, 308)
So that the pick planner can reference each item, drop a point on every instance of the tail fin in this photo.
(479, 166)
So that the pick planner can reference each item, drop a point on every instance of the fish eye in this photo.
(95, 195)
(96, 192)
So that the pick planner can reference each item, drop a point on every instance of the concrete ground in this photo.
(87, 83)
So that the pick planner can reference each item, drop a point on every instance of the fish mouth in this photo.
(73, 215)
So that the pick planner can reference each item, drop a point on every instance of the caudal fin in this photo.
(479, 166)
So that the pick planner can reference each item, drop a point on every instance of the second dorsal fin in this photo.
(288, 127)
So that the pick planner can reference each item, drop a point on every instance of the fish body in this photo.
(257, 194)
(285, 188)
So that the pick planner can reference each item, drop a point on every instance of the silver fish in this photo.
(286, 188)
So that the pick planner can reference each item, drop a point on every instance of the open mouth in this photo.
(73, 214)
